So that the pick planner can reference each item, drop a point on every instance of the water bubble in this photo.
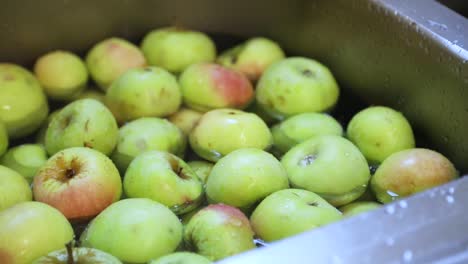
(451, 190)
(390, 209)
(403, 204)
(407, 256)
(449, 199)
(390, 241)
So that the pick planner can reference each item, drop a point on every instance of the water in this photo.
(433, 23)
(403, 204)
(390, 209)
(407, 256)
(390, 241)
(449, 199)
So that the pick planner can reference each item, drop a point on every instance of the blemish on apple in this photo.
(307, 160)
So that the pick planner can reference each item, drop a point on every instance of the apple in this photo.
(23, 104)
(14, 189)
(147, 133)
(144, 92)
(165, 178)
(207, 86)
(355, 208)
(301, 127)
(296, 85)
(82, 123)
(4, 142)
(185, 119)
(222, 131)
(80, 182)
(218, 231)
(182, 258)
(185, 218)
(256, 172)
(174, 48)
(201, 168)
(41, 133)
(257, 109)
(25, 159)
(30, 230)
(330, 166)
(111, 57)
(252, 57)
(135, 230)
(80, 255)
(411, 171)
(289, 212)
(62, 74)
(91, 93)
(380, 131)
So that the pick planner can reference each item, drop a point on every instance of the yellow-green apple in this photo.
(355, 208)
(61, 74)
(23, 104)
(330, 166)
(201, 168)
(111, 57)
(218, 231)
(82, 123)
(134, 230)
(175, 48)
(165, 178)
(25, 159)
(80, 255)
(147, 133)
(181, 258)
(41, 133)
(221, 131)
(410, 171)
(4, 142)
(30, 230)
(289, 212)
(296, 85)
(185, 119)
(379, 131)
(252, 57)
(207, 86)
(14, 189)
(244, 177)
(144, 92)
(80, 182)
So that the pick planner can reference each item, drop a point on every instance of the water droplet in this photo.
(407, 256)
(451, 190)
(449, 199)
(390, 209)
(403, 204)
(390, 241)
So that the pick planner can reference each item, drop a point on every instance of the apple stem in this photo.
(69, 247)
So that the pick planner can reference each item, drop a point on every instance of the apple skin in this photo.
(174, 49)
(182, 258)
(25, 159)
(380, 131)
(301, 127)
(330, 166)
(411, 171)
(244, 130)
(135, 230)
(201, 168)
(252, 57)
(14, 189)
(81, 255)
(110, 58)
(4, 142)
(79, 182)
(185, 119)
(30, 230)
(165, 178)
(289, 212)
(82, 123)
(145, 92)
(23, 104)
(218, 231)
(256, 172)
(61, 74)
(356, 208)
(208, 86)
(296, 85)
(147, 133)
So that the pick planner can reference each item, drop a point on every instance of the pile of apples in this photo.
(180, 154)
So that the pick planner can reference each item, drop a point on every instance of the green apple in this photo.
(135, 230)
(185, 119)
(30, 230)
(330, 166)
(108, 59)
(80, 182)
(296, 85)
(207, 86)
(185, 218)
(252, 57)
(380, 131)
(411, 171)
(14, 189)
(149, 171)
(182, 258)
(218, 231)
(175, 49)
(147, 133)
(256, 172)
(145, 92)
(289, 212)
(221, 131)
(82, 123)
(62, 74)
(80, 255)
(301, 127)
(25, 159)
(201, 168)
(23, 104)
(4, 142)
(355, 208)
(41, 133)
